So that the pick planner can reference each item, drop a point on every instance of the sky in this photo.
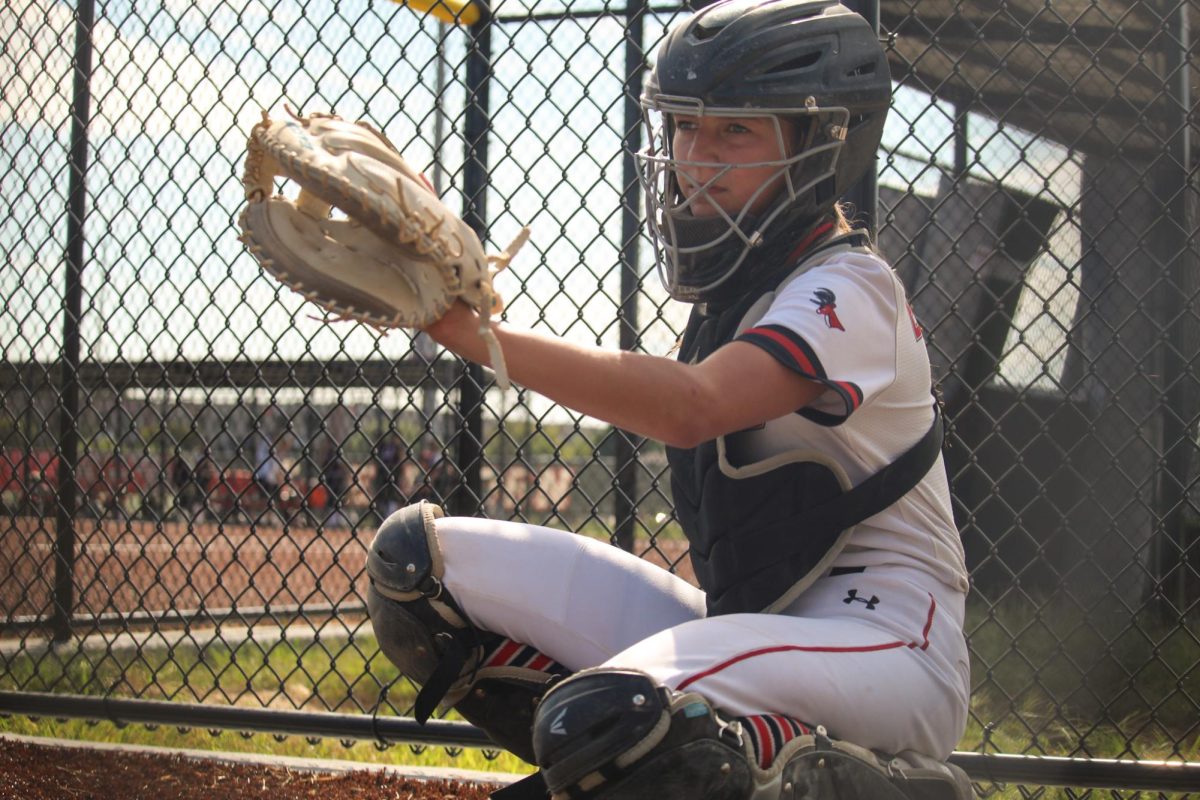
(178, 85)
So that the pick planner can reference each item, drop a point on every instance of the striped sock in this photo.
(505, 652)
(769, 733)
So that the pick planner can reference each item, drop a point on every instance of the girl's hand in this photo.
(455, 327)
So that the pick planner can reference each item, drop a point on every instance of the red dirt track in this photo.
(132, 565)
(125, 566)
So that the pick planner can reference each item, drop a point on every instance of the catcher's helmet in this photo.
(814, 62)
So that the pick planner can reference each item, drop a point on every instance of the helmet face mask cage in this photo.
(696, 254)
(812, 62)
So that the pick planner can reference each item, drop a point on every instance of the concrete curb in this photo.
(136, 641)
(326, 765)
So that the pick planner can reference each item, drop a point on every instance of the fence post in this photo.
(1174, 570)
(68, 434)
(467, 498)
(624, 500)
(864, 195)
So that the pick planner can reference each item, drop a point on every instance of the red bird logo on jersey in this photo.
(916, 326)
(826, 303)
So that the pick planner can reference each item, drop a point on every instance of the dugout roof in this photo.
(1101, 76)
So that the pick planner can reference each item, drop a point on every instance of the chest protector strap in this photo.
(759, 539)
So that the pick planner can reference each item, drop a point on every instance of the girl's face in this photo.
(715, 146)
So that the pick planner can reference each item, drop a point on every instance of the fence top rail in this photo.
(150, 374)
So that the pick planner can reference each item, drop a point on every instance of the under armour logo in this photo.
(852, 597)
(556, 727)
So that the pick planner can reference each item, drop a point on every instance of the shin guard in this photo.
(816, 767)
(608, 734)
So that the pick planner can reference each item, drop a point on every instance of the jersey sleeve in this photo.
(836, 325)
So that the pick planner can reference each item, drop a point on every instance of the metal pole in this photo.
(121, 711)
(68, 432)
(439, 109)
(425, 346)
(1178, 344)
(468, 496)
(961, 143)
(624, 499)
(864, 195)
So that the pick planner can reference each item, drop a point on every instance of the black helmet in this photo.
(812, 61)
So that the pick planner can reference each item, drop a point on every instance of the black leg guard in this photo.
(819, 768)
(615, 734)
(422, 631)
(607, 734)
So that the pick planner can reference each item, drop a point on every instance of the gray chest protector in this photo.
(758, 539)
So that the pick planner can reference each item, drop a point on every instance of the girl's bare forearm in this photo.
(643, 394)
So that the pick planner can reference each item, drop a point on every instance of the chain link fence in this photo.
(191, 463)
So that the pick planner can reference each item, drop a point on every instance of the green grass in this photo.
(266, 744)
(341, 675)
(1054, 679)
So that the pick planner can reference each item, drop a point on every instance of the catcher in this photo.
(824, 655)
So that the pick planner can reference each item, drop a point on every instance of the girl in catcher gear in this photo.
(804, 443)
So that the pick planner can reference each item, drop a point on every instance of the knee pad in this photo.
(607, 733)
(421, 630)
(416, 622)
(405, 561)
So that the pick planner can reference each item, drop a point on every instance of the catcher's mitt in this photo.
(399, 258)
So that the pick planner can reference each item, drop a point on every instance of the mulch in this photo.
(44, 772)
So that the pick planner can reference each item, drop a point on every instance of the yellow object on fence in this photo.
(453, 12)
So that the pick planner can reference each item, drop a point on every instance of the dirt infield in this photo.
(39, 772)
(125, 566)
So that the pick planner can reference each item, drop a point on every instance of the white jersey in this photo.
(874, 652)
(844, 321)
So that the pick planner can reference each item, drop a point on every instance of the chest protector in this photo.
(758, 537)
